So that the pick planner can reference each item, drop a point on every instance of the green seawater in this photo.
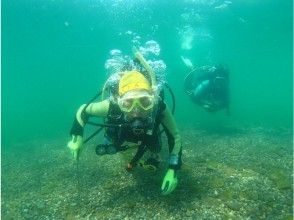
(53, 60)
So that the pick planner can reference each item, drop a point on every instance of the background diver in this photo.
(208, 87)
(133, 113)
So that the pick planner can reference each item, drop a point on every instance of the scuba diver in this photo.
(208, 87)
(133, 113)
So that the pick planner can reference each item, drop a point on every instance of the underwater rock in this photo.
(289, 217)
(234, 205)
(217, 182)
(40, 205)
(280, 179)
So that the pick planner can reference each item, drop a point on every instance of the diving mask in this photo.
(139, 99)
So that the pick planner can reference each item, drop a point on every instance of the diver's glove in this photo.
(170, 182)
(75, 145)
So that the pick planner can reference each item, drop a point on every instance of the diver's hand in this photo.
(170, 182)
(75, 145)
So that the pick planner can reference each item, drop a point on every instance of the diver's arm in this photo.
(175, 152)
(170, 180)
(98, 109)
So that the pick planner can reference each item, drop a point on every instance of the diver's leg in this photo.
(153, 143)
(140, 152)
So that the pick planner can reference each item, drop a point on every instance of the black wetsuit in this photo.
(117, 135)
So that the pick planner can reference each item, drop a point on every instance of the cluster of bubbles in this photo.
(193, 20)
(190, 35)
(216, 4)
(151, 51)
(135, 38)
(192, 16)
(223, 5)
(187, 35)
(150, 48)
(118, 62)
